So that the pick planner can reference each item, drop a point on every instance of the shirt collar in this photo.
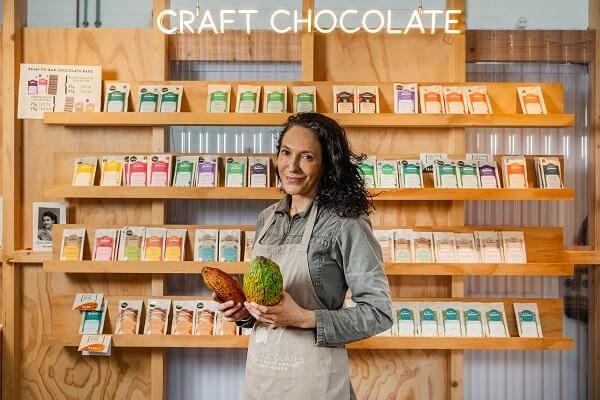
(283, 207)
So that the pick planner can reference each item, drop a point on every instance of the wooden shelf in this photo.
(222, 193)
(458, 269)
(224, 342)
(191, 267)
(384, 120)
(474, 194)
(374, 343)
(141, 267)
(32, 257)
(122, 192)
(583, 257)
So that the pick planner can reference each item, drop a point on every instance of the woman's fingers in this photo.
(260, 313)
(241, 314)
(259, 308)
(229, 307)
(254, 313)
(225, 306)
(234, 309)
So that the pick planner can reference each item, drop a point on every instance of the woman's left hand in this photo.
(286, 313)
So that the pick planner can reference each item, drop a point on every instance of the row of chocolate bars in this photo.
(157, 244)
(475, 171)
(189, 317)
(409, 98)
(201, 317)
(225, 245)
(164, 170)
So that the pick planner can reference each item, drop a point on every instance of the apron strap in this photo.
(310, 224)
(266, 226)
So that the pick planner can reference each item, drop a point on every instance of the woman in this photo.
(320, 235)
(48, 221)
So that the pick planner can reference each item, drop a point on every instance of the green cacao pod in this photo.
(263, 283)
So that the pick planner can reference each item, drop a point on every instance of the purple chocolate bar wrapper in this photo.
(207, 168)
(406, 95)
(486, 170)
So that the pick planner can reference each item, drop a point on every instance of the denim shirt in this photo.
(343, 255)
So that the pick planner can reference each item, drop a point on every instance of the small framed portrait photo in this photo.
(45, 215)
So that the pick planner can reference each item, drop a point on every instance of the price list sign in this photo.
(58, 88)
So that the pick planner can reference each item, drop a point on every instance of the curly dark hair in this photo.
(341, 188)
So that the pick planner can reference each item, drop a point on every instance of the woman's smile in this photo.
(294, 180)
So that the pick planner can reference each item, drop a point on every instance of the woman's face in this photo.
(47, 222)
(300, 161)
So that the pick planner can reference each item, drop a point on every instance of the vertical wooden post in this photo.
(160, 52)
(15, 16)
(593, 225)
(308, 44)
(457, 283)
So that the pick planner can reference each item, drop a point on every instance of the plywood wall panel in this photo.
(122, 53)
(55, 372)
(1, 94)
(399, 374)
(381, 57)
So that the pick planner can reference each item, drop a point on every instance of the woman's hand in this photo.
(286, 313)
(231, 310)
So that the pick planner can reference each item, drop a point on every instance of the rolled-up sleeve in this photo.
(358, 253)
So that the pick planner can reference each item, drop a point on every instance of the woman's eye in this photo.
(307, 157)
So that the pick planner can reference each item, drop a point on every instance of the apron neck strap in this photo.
(266, 226)
(310, 224)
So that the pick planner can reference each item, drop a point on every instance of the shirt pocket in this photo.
(318, 253)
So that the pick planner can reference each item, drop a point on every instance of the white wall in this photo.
(56, 13)
(540, 14)
(481, 14)
(113, 13)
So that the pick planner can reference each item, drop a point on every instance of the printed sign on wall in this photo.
(68, 88)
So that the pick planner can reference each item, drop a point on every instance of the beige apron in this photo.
(285, 363)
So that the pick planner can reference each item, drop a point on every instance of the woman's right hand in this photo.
(231, 310)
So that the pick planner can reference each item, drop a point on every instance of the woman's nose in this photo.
(295, 163)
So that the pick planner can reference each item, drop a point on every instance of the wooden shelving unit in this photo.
(583, 257)
(222, 193)
(369, 134)
(374, 343)
(32, 257)
(383, 120)
(66, 321)
(417, 269)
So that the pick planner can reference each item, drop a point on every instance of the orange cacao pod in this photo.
(224, 285)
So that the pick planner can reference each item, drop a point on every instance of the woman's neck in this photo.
(300, 202)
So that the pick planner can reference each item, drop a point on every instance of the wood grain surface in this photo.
(388, 120)
(50, 371)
